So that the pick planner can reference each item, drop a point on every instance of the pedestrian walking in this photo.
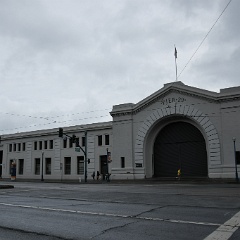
(179, 174)
(93, 175)
(98, 174)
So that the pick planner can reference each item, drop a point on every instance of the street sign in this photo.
(77, 149)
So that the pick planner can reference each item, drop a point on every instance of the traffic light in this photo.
(73, 138)
(88, 161)
(60, 132)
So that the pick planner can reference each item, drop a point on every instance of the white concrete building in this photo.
(43, 154)
(177, 127)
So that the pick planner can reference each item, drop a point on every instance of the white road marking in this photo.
(226, 230)
(179, 221)
(111, 215)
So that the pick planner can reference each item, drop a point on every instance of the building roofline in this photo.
(227, 94)
(54, 131)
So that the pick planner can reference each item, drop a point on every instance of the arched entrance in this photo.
(180, 145)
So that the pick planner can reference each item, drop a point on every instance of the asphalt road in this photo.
(146, 210)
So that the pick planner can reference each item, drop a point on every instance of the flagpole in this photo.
(176, 67)
(175, 54)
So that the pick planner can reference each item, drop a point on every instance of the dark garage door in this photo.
(180, 145)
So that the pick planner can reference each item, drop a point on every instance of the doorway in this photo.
(103, 166)
(180, 145)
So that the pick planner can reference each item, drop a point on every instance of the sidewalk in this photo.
(126, 181)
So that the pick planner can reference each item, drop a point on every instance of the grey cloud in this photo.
(61, 57)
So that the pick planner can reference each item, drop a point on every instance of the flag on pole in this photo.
(175, 54)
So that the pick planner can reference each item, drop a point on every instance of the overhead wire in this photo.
(211, 114)
(52, 117)
(55, 122)
(204, 39)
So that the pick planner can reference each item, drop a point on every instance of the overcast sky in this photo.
(67, 62)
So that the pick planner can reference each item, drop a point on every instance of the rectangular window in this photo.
(51, 144)
(19, 147)
(21, 166)
(80, 165)
(100, 140)
(10, 147)
(106, 139)
(83, 141)
(45, 144)
(14, 147)
(24, 146)
(35, 145)
(48, 165)
(70, 143)
(67, 165)
(37, 166)
(122, 162)
(40, 145)
(64, 143)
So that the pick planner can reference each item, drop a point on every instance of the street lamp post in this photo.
(108, 174)
(42, 167)
(107, 160)
(86, 160)
(236, 170)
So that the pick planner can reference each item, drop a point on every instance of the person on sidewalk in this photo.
(179, 174)
(93, 175)
(98, 174)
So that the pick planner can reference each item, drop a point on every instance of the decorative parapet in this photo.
(229, 94)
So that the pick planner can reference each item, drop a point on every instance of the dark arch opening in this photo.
(180, 145)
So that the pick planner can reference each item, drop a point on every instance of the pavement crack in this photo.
(148, 211)
(34, 233)
(113, 228)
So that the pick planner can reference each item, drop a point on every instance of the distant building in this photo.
(177, 127)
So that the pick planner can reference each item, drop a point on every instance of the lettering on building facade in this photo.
(169, 100)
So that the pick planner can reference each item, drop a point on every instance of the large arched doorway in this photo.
(180, 145)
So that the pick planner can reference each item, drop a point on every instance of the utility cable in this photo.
(54, 122)
(49, 117)
(204, 38)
